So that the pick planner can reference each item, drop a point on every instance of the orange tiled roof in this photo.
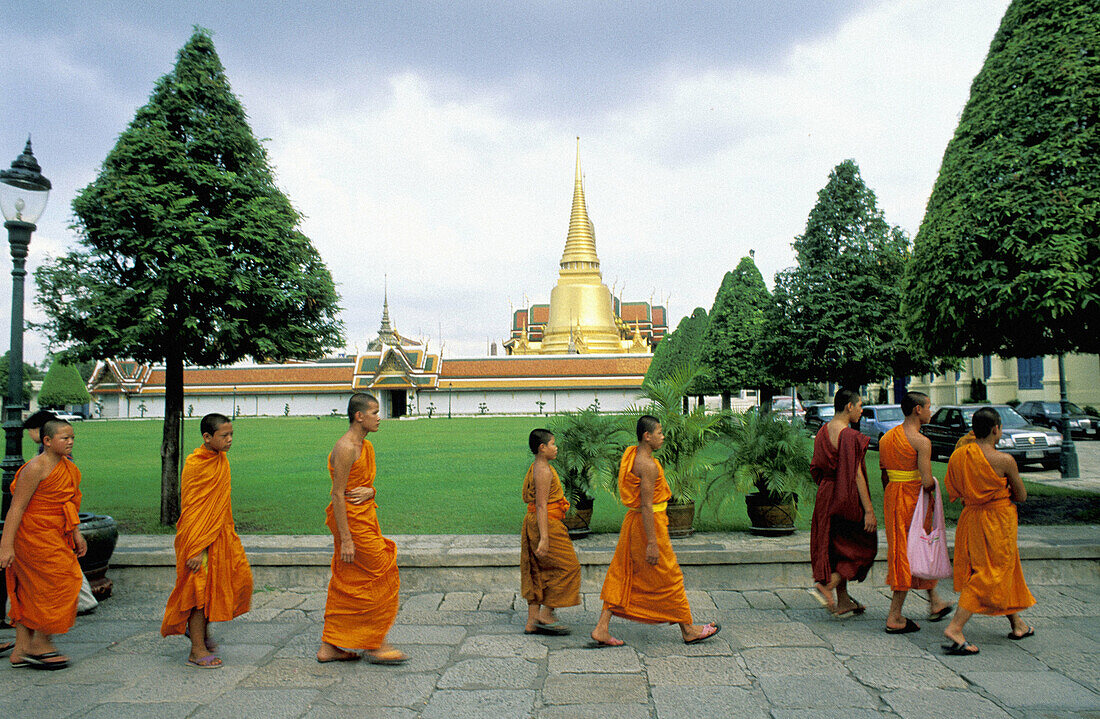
(273, 375)
(546, 366)
(540, 314)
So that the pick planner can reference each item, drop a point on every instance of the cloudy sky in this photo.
(434, 142)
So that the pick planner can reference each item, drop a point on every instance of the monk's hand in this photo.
(543, 549)
(652, 553)
(194, 563)
(347, 549)
(359, 495)
(79, 544)
(7, 556)
(869, 522)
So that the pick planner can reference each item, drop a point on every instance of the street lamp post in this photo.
(23, 195)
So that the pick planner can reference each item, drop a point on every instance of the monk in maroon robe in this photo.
(843, 542)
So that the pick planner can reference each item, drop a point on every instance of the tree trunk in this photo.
(725, 399)
(169, 446)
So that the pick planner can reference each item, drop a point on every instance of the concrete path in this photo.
(778, 655)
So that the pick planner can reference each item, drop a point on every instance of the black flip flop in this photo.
(959, 649)
(1017, 637)
(554, 629)
(909, 628)
(940, 615)
(38, 661)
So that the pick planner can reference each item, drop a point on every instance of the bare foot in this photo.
(386, 654)
(824, 595)
(698, 632)
(329, 653)
(604, 639)
(207, 661)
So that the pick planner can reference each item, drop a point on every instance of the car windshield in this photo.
(890, 414)
(825, 412)
(1009, 417)
(1055, 408)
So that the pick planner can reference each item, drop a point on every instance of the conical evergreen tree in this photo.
(188, 252)
(681, 348)
(63, 385)
(1007, 259)
(729, 348)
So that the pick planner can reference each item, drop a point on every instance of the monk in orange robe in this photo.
(965, 439)
(988, 575)
(549, 574)
(843, 542)
(213, 578)
(362, 594)
(39, 549)
(644, 582)
(905, 457)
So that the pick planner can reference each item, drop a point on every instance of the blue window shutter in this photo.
(1030, 372)
(987, 367)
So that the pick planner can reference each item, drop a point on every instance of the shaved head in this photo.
(360, 402)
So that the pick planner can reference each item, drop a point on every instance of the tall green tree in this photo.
(836, 316)
(1007, 259)
(730, 346)
(682, 348)
(30, 372)
(63, 385)
(188, 251)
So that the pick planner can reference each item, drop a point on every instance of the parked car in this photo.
(69, 416)
(1027, 443)
(1049, 414)
(878, 419)
(816, 416)
(781, 405)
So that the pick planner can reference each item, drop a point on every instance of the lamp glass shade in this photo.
(19, 202)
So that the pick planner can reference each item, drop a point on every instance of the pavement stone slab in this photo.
(161, 710)
(425, 634)
(713, 703)
(1082, 668)
(841, 713)
(424, 602)
(62, 700)
(729, 599)
(797, 598)
(816, 693)
(422, 658)
(490, 673)
(106, 630)
(331, 711)
(496, 703)
(719, 646)
(799, 661)
(253, 632)
(608, 660)
(1035, 689)
(268, 703)
(295, 673)
(497, 601)
(181, 685)
(994, 658)
(381, 690)
(695, 671)
(700, 603)
(761, 599)
(595, 711)
(772, 634)
(595, 689)
(503, 645)
(460, 601)
(455, 617)
(929, 703)
(904, 673)
(126, 669)
(865, 639)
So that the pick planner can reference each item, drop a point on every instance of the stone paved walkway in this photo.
(778, 656)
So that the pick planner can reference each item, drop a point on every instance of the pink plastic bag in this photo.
(928, 550)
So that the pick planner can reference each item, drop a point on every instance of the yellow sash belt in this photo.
(903, 475)
(659, 507)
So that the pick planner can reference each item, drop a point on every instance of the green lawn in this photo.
(434, 476)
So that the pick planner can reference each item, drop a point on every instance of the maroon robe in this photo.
(838, 542)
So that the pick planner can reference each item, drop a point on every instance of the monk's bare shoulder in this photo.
(541, 472)
(645, 467)
(919, 442)
(1001, 462)
(37, 469)
(346, 450)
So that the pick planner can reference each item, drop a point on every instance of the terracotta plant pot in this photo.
(681, 518)
(577, 522)
(770, 515)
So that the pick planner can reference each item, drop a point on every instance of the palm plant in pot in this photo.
(768, 461)
(589, 447)
(686, 435)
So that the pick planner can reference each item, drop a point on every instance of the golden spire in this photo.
(580, 243)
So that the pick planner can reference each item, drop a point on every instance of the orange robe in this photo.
(554, 580)
(988, 575)
(838, 542)
(965, 439)
(44, 579)
(222, 586)
(362, 595)
(635, 589)
(898, 457)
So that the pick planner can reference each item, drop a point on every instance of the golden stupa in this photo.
(582, 317)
